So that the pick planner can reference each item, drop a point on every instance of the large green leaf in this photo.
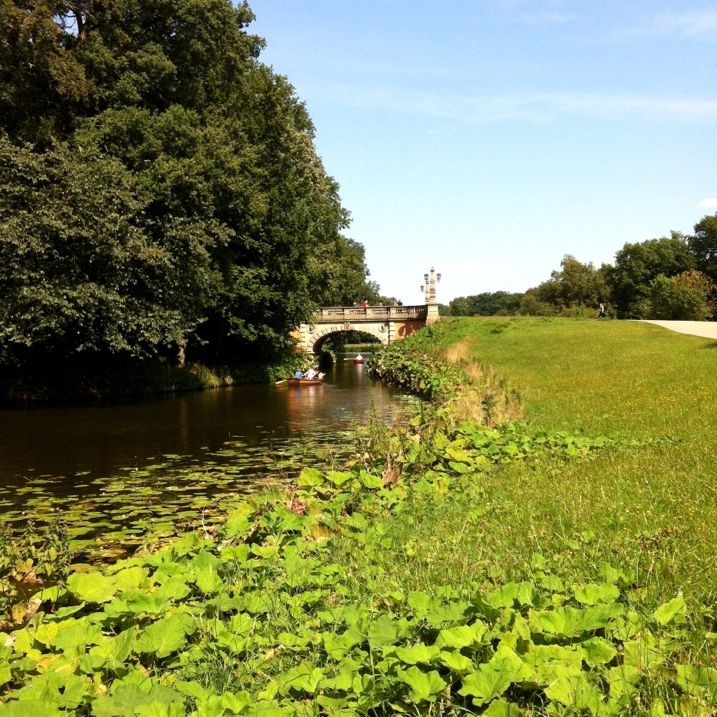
(113, 651)
(74, 634)
(508, 595)
(417, 653)
(166, 635)
(92, 587)
(456, 662)
(338, 478)
(594, 593)
(425, 686)
(576, 692)
(598, 651)
(238, 523)
(461, 636)
(128, 699)
(571, 622)
(457, 452)
(30, 708)
(5, 673)
(55, 689)
(501, 708)
(493, 678)
(206, 566)
(672, 611)
(552, 661)
(310, 477)
(229, 702)
(382, 632)
(698, 680)
(130, 578)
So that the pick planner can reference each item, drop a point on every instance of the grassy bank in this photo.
(652, 509)
(444, 570)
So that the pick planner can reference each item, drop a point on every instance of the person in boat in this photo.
(298, 374)
(311, 374)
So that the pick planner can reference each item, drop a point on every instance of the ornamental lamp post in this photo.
(428, 288)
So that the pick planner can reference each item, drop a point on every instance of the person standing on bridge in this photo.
(364, 304)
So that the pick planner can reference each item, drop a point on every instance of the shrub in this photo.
(687, 296)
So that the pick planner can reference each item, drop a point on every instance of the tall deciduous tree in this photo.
(637, 265)
(580, 284)
(219, 223)
(703, 245)
(85, 269)
(42, 82)
(574, 286)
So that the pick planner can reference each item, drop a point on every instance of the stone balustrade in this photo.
(353, 314)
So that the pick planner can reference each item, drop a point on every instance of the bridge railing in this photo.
(330, 314)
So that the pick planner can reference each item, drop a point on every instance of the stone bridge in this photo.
(386, 323)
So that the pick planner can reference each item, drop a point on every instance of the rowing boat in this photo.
(305, 381)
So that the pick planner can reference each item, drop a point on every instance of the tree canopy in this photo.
(637, 265)
(159, 187)
(703, 245)
(486, 304)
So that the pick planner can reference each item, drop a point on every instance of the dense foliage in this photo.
(668, 278)
(490, 303)
(159, 187)
(638, 265)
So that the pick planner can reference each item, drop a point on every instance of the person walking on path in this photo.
(601, 311)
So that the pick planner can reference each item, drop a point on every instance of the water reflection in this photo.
(103, 439)
(116, 473)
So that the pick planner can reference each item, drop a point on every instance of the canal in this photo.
(113, 470)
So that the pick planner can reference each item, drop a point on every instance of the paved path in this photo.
(706, 329)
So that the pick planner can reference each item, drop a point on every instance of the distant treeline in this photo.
(668, 278)
(160, 191)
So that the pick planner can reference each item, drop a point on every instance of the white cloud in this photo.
(709, 203)
(544, 107)
(687, 24)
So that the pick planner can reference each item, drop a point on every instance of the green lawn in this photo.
(609, 377)
(650, 508)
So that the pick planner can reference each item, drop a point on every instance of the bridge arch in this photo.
(386, 323)
(323, 331)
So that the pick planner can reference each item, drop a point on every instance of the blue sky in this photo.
(491, 137)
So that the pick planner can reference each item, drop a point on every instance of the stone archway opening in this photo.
(340, 341)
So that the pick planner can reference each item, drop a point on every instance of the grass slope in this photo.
(650, 508)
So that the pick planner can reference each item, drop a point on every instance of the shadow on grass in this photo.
(710, 345)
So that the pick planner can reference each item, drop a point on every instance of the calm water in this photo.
(101, 439)
(130, 463)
